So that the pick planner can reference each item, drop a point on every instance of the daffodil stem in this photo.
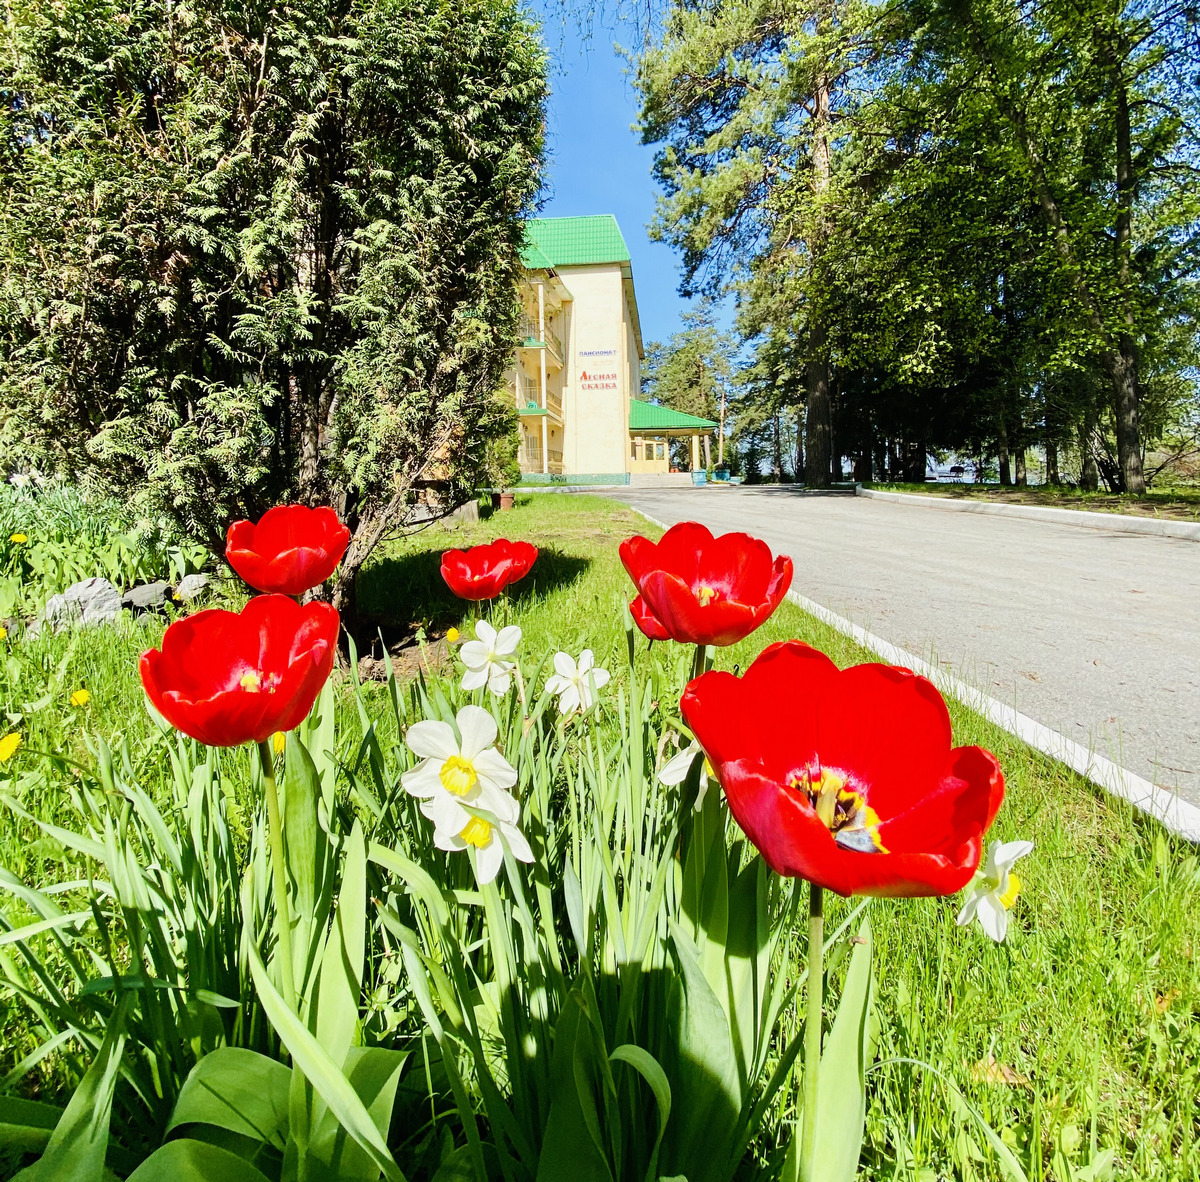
(812, 1027)
(283, 912)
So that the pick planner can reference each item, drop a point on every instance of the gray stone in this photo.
(191, 586)
(92, 601)
(147, 597)
(467, 514)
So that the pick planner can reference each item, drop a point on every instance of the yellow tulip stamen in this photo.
(477, 833)
(458, 775)
(254, 681)
(1010, 895)
(706, 595)
(842, 810)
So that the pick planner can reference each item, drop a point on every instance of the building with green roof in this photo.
(577, 374)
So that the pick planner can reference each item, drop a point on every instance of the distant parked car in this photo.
(957, 472)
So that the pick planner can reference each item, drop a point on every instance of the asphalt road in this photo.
(1092, 633)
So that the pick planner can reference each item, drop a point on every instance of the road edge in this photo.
(1124, 523)
(1180, 816)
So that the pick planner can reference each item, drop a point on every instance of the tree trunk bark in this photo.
(1122, 366)
(798, 466)
(818, 425)
(776, 448)
(1022, 479)
(721, 432)
(1052, 473)
(1089, 473)
(1002, 443)
(707, 452)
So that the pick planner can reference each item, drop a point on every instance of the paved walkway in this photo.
(1092, 633)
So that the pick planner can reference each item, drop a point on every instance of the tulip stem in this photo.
(698, 662)
(283, 913)
(812, 1027)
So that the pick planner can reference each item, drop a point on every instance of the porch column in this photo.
(542, 359)
(695, 452)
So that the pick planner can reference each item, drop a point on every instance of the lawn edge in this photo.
(1114, 522)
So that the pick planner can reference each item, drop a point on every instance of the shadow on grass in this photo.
(399, 593)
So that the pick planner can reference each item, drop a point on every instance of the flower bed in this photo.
(624, 1001)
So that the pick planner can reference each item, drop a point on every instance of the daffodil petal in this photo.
(478, 730)
(431, 739)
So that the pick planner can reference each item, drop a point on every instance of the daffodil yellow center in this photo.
(1010, 896)
(476, 832)
(706, 595)
(841, 809)
(458, 776)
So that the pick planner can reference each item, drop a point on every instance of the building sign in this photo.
(598, 370)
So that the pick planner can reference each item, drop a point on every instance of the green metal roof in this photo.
(532, 258)
(577, 242)
(644, 416)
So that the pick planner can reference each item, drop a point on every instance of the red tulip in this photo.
(646, 620)
(482, 572)
(706, 590)
(291, 549)
(846, 778)
(227, 677)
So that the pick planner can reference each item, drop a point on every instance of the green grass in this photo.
(1090, 1011)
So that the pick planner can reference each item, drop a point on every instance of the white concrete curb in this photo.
(1123, 523)
(1164, 806)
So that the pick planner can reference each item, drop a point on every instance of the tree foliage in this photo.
(1004, 250)
(252, 251)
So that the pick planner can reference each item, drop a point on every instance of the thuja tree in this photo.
(254, 251)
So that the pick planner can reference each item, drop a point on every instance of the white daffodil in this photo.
(485, 657)
(454, 772)
(573, 681)
(489, 836)
(994, 889)
(676, 769)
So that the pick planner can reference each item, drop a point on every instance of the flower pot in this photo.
(506, 500)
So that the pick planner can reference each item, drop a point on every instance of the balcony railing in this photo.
(527, 329)
(527, 389)
(554, 403)
(531, 454)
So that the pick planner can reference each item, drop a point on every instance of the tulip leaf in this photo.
(26, 1125)
(325, 1076)
(706, 1090)
(77, 1147)
(374, 1074)
(572, 1146)
(647, 1066)
(842, 1091)
(239, 1090)
(195, 1161)
(308, 854)
(339, 985)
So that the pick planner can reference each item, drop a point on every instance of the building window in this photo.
(659, 453)
(633, 450)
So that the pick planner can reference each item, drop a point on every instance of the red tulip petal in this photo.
(637, 555)
(646, 621)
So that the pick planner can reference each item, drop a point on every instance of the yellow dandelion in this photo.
(81, 697)
(8, 746)
(18, 538)
(277, 741)
(452, 636)
(3, 633)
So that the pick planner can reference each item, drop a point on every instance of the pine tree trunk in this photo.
(1022, 479)
(707, 452)
(818, 426)
(1052, 474)
(798, 466)
(1002, 443)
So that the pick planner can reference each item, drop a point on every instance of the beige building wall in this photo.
(597, 392)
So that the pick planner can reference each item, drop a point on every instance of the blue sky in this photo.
(598, 165)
